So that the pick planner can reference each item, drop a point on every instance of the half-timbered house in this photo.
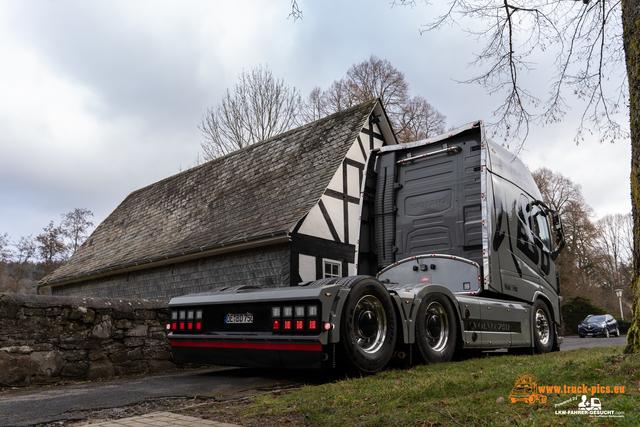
(275, 213)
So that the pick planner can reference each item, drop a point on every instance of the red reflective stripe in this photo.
(248, 345)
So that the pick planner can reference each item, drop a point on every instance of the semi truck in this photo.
(456, 253)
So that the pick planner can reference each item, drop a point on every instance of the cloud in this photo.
(100, 98)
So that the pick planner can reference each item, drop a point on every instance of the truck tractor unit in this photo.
(456, 253)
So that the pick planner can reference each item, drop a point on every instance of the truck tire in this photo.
(542, 330)
(368, 325)
(436, 328)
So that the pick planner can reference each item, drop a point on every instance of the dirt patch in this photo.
(227, 412)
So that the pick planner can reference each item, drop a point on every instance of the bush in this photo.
(574, 310)
(623, 325)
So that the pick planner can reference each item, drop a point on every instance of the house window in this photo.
(332, 268)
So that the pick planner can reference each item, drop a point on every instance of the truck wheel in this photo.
(436, 328)
(542, 330)
(368, 326)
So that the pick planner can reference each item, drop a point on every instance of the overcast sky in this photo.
(100, 98)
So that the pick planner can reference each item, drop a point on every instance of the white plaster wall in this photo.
(335, 208)
(355, 153)
(336, 181)
(315, 225)
(353, 181)
(307, 267)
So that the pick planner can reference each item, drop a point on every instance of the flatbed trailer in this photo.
(455, 253)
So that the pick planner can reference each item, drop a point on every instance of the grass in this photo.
(473, 392)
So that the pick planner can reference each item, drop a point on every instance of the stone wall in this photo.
(45, 339)
(267, 266)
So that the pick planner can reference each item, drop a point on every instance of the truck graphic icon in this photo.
(586, 406)
(526, 390)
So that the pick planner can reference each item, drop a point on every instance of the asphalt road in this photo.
(43, 405)
(46, 405)
(574, 342)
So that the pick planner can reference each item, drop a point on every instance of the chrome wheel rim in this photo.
(542, 327)
(370, 324)
(436, 328)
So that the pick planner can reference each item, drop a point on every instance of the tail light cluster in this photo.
(295, 318)
(188, 320)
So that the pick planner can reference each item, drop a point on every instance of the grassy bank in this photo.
(473, 392)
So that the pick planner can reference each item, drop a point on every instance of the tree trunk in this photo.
(631, 37)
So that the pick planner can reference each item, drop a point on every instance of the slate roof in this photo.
(258, 191)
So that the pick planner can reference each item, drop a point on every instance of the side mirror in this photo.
(557, 227)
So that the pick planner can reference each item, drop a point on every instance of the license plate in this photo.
(238, 318)
(588, 334)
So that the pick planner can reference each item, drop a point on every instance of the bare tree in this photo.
(75, 225)
(420, 120)
(4, 247)
(338, 97)
(51, 247)
(315, 106)
(558, 191)
(4, 258)
(20, 266)
(373, 78)
(587, 38)
(577, 263)
(615, 241)
(412, 118)
(259, 106)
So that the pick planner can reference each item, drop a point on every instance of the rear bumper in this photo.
(303, 354)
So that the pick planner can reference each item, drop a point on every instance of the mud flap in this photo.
(558, 337)
(403, 356)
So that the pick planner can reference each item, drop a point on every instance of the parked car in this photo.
(602, 324)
